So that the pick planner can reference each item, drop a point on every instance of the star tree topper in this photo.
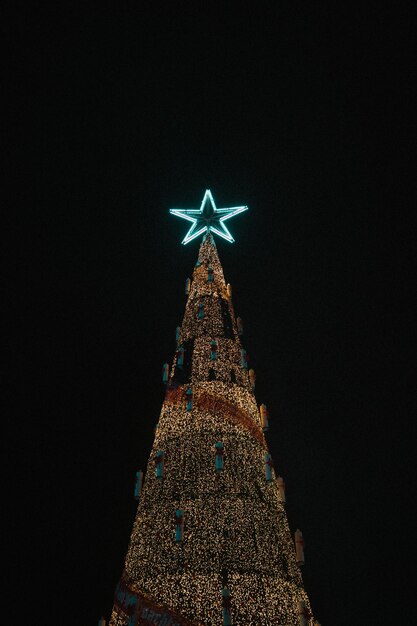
(208, 218)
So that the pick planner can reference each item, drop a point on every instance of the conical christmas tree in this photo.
(211, 543)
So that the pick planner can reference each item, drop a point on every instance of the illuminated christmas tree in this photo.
(211, 543)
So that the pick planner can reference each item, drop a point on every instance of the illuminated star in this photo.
(208, 218)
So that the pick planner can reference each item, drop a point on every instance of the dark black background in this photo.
(117, 112)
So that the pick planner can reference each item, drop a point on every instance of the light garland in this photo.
(211, 543)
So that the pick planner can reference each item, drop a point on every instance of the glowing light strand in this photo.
(233, 506)
(208, 218)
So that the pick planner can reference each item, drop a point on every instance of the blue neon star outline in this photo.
(208, 218)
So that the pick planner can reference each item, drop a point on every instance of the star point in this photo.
(208, 218)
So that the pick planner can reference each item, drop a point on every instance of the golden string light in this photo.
(212, 519)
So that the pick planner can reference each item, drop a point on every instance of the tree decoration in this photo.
(263, 411)
(219, 456)
(208, 218)
(243, 359)
(237, 558)
(125, 600)
(213, 350)
(269, 466)
(159, 462)
(179, 525)
(252, 378)
(187, 286)
(180, 356)
(299, 547)
(165, 373)
(189, 393)
(239, 325)
(138, 484)
(281, 488)
(226, 607)
(200, 311)
(304, 613)
(210, 275)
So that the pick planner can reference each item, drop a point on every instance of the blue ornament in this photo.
(180, 356)
(189, 394)
(219, 456)
(269, 465)
(159, 461)
(226, 607)
(179, 525)
(244, 359)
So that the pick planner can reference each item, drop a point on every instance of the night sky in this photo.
(117, 113)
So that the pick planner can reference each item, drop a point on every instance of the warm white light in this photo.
(211, 513)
